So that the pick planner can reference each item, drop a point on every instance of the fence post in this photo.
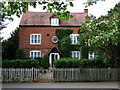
(33, 73)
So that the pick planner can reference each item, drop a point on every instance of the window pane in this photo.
(34, 54)
(70, 54)
(78, 54)
(38, 38)
(35, 38)
(31, 54)
(74, 54)
(75, 39)
(31, 38)
(38, 54)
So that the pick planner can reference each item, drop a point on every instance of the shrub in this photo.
(67, 63)
(45, 61)
(97, 62)
(35, 64)
(20, 54)
(20, 63)
(39, 60)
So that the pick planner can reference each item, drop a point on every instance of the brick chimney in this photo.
(85, 10)
(26, 9)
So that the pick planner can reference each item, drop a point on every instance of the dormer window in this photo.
(54, 22)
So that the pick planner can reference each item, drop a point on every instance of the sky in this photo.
(101, 8)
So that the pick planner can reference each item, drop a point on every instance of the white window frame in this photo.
(54, 22)
(74, 54)
(74, 38)
(91, 55)
(33, 38)
(35, 51)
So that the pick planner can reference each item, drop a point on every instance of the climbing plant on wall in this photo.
(83, 47)
(64, 43)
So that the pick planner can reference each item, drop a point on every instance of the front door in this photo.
(52, 57)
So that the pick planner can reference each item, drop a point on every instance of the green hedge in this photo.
(83, 63)
(20, 63)
(27, 63)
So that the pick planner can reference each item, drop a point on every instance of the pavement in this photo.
(62, 86)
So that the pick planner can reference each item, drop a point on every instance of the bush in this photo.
(20, 63)
(45, 62)
(39, 60)
(67, 63)
(97, 62)
(20, 54)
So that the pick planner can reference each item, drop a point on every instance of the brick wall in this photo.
(46, 43)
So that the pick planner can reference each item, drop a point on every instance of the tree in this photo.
(104, 33)
(10, 46)
(91, 2)
(20, 53)
(59, 8)
(17, 8)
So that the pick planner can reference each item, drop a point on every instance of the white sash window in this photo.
(35, 39)
(75, 54)
(74, 38)
(35, 53)
(91, 55)
(54, 22)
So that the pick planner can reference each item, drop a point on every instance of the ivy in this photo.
(64, 43)
(61, 33)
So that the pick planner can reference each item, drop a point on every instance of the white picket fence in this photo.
(87, 74)
(60, 74)
(24, 74)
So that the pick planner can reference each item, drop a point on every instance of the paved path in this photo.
(63, 86)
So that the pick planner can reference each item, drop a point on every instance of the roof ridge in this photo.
(52, 12)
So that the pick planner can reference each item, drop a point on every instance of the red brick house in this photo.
(37, 33)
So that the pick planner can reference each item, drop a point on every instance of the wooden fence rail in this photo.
(23, 74)
(87, 74)
(60, 74)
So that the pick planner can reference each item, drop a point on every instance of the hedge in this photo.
(83, 63)
(20, 63)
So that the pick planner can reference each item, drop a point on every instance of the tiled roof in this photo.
(42, 18)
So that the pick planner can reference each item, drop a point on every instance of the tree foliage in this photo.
(58, 7)
(91, 2)
(104, 33)
(17, 8)
(10, 45)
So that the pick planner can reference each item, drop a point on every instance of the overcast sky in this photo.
(97, 10)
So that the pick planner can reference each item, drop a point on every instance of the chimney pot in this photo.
(85, 10)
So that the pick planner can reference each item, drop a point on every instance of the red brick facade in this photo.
(43, 23)
(46, 42)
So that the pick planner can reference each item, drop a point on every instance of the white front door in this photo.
(52, 57)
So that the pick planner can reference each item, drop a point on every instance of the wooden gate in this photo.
(43, 75)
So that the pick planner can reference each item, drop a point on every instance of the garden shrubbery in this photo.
(82, 63)
(45, 62)
(20, 63)
(27, 63)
